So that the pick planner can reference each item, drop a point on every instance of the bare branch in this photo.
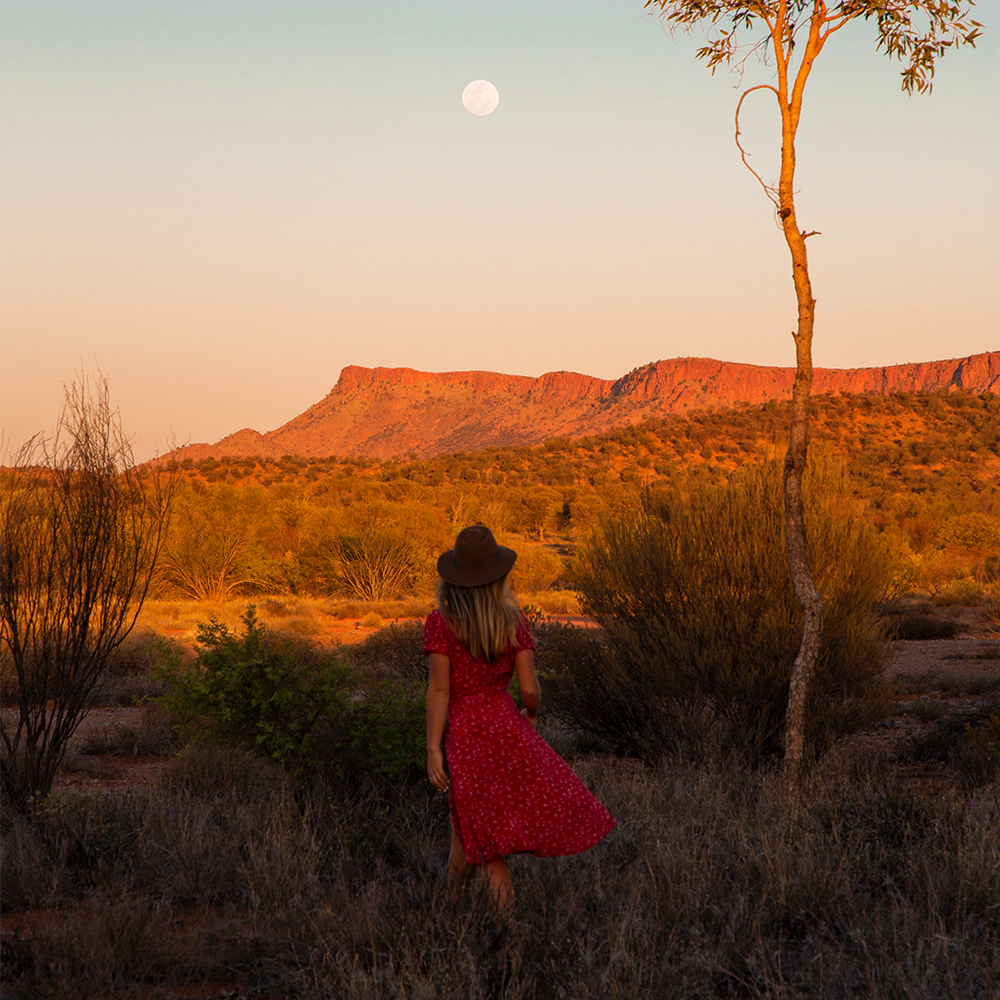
(768, 189)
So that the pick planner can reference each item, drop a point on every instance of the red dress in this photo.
(511, 793)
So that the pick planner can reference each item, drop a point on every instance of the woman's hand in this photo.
(532, 720)
(436, 771)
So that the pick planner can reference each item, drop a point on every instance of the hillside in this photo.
(925, 468)
(389, 412)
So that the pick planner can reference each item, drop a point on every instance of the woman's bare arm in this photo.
(531, 691)
(437, 712)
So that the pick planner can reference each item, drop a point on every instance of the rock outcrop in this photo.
(384, 412)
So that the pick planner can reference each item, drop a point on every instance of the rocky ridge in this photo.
(386, 412)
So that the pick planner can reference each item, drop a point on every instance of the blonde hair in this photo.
(485, 619)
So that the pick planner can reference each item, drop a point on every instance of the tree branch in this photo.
(768, 190)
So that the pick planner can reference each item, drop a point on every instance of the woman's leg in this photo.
(458, 867)
(499, 887)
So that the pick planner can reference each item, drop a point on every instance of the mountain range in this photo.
(387, 412)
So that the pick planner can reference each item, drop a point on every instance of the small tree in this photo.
(794, 33)
(373, 556)
(80, 530)
(211, 553)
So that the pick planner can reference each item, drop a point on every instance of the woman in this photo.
(509, 792)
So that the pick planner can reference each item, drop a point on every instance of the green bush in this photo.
(300, 706)
(702, 624)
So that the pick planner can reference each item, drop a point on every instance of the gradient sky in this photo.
(223, 202)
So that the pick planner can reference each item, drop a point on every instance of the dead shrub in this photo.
(141, 654)
(925, 709)
(124, 691)
(215, 770)
(956, 681)
(98, 948)
(967, 740)
(275, 607)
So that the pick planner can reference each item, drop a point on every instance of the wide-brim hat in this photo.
(476, 559)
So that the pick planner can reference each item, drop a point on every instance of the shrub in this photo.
(152, 734)
(703, 626)
(557, 602)
(140, 654)
(537, 568)
(968, 740)
(375, 563)
(922, 627)
(966, 592)
(397, 650)
(979, 761)
(134, 671)
(302, 707)
(208, 771)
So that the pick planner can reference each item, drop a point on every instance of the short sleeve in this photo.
(435, 634)
(523, 639)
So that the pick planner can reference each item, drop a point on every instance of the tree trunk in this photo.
(798, 441)
(795, 531)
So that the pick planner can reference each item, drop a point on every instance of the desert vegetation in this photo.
(80, 531)
(700, 623)
(237, 869)
(284, 841)
(922, 470)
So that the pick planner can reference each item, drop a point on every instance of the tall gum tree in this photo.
(792, 34)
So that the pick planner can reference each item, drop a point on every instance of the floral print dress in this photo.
(510, 792)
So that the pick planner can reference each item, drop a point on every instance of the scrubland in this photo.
(246, 811)
(230, 871)
(923, 470)
(708, 887)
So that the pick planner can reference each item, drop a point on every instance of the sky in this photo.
(221, 203)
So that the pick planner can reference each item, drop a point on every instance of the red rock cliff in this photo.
(382, 412)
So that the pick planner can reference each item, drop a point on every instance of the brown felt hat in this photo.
(476, 558)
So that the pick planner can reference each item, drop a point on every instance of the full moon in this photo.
(480, 97)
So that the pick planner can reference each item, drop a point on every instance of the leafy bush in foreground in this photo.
(303, 708)
(702, 624)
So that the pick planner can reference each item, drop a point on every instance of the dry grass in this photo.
(300, 616)
(705, 889)
(225, 872)
(553, 602)
(413, 607)
(307, 617)
(151, 734)
(965, 681)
